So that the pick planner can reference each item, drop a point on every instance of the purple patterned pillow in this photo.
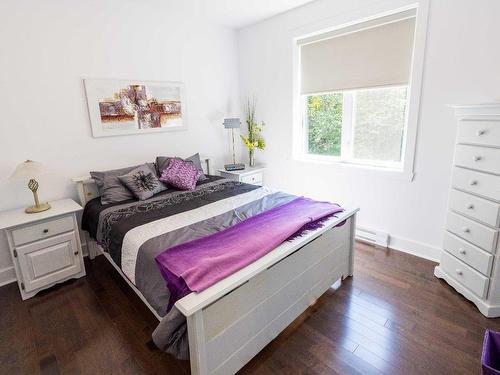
(181, 174)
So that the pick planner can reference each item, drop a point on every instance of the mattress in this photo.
(135, 232)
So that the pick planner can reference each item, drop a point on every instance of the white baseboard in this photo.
(374, 237)
(416, 248)
(7, 275)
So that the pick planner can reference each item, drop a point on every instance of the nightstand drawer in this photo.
(47, 261)
(42, 230)
(474, 207)
(464, 274)
(472, 231)
(480, 158)
(468, 253)
(255, 178)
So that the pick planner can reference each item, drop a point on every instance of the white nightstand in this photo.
(249, 175)
(45, 247)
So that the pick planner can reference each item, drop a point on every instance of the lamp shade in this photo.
(231, 123)
(26, 170)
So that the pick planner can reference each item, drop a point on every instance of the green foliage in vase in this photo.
(254, 139)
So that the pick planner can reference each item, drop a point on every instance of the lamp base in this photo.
(40, 208)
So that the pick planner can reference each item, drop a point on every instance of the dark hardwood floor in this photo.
(393, 317)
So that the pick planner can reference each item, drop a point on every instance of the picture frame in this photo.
(124, 107)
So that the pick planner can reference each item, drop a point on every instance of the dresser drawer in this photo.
(483, 184)
(486, 133)
(42, 230)
(480, 158)
(472, 231)
(474, 207)
(464, 274)
(255, 179)
(47, 261)
(468, 253)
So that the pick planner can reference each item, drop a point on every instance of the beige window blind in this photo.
(371, 56)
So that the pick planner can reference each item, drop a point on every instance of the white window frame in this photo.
(406, 169)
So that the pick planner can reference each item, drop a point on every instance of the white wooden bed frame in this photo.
(230, 322)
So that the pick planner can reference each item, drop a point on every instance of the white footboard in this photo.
(229, 323)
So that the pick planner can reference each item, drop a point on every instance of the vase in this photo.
(251, 158)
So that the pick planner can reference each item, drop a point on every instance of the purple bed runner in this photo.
(196, 265)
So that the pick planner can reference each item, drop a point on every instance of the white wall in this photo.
(461, 66)
(47, 47)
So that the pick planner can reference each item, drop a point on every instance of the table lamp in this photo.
(28, 171)
(233, 123)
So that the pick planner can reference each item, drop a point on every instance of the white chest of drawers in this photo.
(45, 247)
(470, 259)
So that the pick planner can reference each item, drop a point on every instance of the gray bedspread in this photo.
(134, 233)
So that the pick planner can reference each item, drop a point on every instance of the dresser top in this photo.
(12, 218)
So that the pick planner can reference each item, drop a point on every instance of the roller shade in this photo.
(375, 56)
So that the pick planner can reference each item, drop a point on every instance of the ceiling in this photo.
(241, 13)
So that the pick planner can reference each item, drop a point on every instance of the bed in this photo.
(221, 328)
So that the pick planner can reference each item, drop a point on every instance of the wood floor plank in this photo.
(393, 317)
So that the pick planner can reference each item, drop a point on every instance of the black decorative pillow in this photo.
(142, 182)
(163, 161)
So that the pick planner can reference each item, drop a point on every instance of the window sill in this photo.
(365, 169)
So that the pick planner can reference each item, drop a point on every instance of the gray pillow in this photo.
(142, 181)
(110, 187)
(162, 163)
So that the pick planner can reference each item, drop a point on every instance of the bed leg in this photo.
(352, 223)
(91, 246)
(197, 348)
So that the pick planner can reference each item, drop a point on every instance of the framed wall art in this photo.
(120, 107)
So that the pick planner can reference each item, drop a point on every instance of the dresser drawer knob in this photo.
(465, 230)
(473, 183)
(76, 252)
(458, 271)
(476, 158)
(481, 132)
(45, 231)
(461, 251)
(470, 206)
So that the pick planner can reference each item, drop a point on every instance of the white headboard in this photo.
(87, 189)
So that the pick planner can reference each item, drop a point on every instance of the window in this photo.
(355, 92)
(365, 126)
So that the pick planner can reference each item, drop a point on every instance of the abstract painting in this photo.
(118, 107)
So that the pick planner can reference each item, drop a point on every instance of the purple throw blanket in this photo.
(196, 265)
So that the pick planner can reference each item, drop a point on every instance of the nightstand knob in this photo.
(470, 206)
(481, 132)
(461, 251)
(473, 183)
(76, 252)
(45, 231)
(465, 230)
(477, 158)
(459, 272)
